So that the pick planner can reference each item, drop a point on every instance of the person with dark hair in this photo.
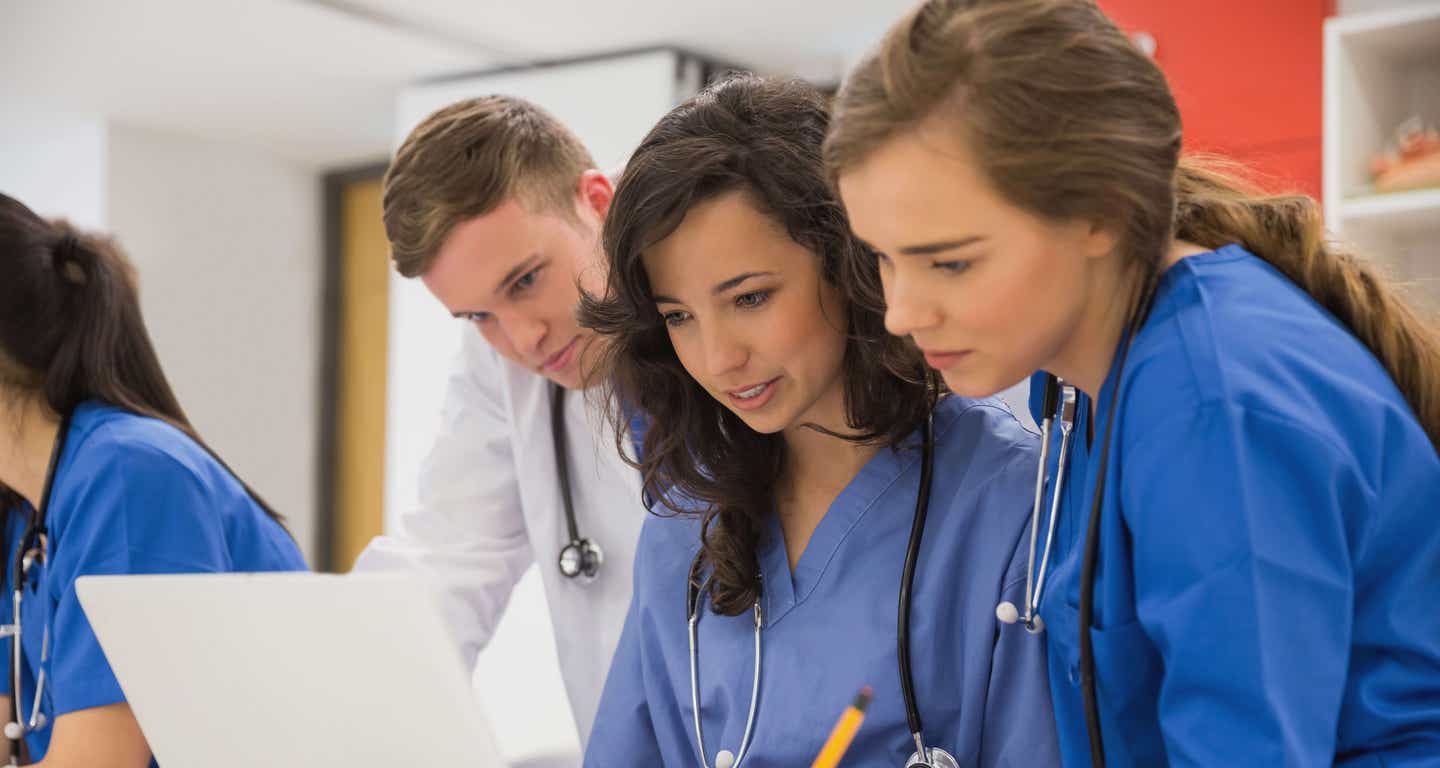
(100, 473)
(1247, 553)
(814, 488)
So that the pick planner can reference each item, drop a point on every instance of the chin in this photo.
(567, 380)
(971, 385)
(763, 423)
(585, 366)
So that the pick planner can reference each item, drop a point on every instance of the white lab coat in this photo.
(490, 505)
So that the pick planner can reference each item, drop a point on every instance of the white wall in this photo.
(55, 164)
(227, 243)
(1347, 7)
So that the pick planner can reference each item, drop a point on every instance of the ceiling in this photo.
(315, 81)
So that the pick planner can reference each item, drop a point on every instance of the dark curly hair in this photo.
(761, 136)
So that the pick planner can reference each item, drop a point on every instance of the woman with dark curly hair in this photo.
(787, 460)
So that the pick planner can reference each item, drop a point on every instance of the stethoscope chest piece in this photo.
(581, 559)
(936, 758)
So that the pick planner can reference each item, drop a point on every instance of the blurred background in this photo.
(235, 149)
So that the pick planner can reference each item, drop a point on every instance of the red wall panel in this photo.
(1247, 77)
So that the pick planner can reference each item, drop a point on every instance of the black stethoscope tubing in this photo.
(1092, 539)
(35, 533)
(580, 558)
(907, 580)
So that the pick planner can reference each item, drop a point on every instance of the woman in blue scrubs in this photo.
(784, 451)
(1252, 482)
(100, 473)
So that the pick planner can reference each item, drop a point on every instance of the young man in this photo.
(497, 208)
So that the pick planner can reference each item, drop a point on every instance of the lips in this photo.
(753, 396)
(941, 359)
(558, 361)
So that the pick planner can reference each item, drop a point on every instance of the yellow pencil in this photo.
(844, 731)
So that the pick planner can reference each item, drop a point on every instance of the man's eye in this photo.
(526, 280)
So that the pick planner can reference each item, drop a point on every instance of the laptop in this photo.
(289, 669)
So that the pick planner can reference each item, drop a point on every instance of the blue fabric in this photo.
(132, 495)
(829, 628)
(1269, 554)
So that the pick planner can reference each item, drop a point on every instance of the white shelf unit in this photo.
(1382, 68)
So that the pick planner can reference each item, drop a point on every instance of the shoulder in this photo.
(136, 475)
(984, 459)
(485, 391)
(480, 370)
(1229, 333)
(983, 484)
(665, 530)
(982, 432)
(110, 440)
(668, 544)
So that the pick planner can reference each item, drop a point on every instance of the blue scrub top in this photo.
(131, 495)
(829, 628)
(1269, 549)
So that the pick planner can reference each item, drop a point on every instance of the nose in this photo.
(908, 308)
(724, 351)
(526, 333)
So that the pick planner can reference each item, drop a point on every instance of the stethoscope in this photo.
(1065, 396)
(923, 757)
(1062, 395)
(34, 550)
(581, 558)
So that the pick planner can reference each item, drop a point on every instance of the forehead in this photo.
(479, 251)
(489, 236)
(719, 238)
(921, 182)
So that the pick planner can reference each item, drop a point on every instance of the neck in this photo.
(817, 468)
(1113, 291)
(25, 457)
(813, 454)
(1087, 353)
